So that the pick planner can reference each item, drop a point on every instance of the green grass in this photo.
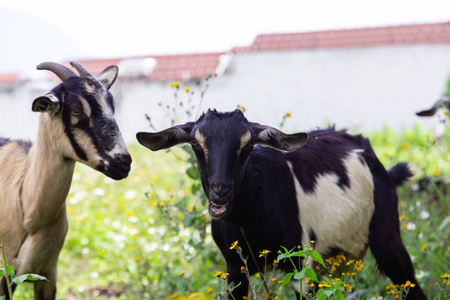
(148, 236)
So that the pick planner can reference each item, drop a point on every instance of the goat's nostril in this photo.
(124, 159)
(221, 190)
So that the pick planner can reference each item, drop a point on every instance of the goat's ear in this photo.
(47, 103)
(277, 139)
(430, 112)
(108, 76)
(167, 138)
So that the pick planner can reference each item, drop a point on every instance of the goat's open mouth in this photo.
(217, 212)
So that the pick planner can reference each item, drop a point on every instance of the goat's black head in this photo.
(81, 113)
(222, 143)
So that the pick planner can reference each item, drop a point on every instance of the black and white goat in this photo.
(77, 124)
(332, 190)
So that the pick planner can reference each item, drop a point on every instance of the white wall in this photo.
(356, 88)
(365, 88)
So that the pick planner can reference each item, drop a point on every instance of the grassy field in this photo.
(148, 237)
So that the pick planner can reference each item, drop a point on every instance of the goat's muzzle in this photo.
(118, 167)
(220, 197)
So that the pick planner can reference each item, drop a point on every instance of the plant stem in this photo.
(5, 265)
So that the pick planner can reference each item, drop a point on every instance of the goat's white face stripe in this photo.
(201, 140)
(339, 217)
(244, 140)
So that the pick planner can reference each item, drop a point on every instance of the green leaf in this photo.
(311, 274)
(317, 257)
(320, 295)
(31, 277)
(10, 270)
(330, 291)
(300, 274)
(302, 253)
(188, 219)
(287, 278)
(444, 223)
(193, 172)
(3, 297)
(339, 295)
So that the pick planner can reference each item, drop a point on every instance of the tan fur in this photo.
(201, 140)
(34, 187)
(244, 140)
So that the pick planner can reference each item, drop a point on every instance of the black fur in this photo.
(252, 189)
(265, 204)
(25, 144)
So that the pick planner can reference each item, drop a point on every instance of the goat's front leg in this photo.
(4, 288)
(240, 282)
(45, 290)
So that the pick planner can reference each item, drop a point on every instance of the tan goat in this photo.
(77, 124)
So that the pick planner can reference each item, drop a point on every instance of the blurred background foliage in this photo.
(148, 236)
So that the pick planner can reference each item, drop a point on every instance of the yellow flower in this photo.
(437, 173)
(446, 112)
(347, 287)
(129, 212)
(350, 262)
(187, 90)
(424, 246)
(359, 265)
(70, 210)
(175, 84)
(274, 279)
(153, 203)
(242, 268)
(162, 204)
(217, 274)
(385, 154)
(257, 275)
(159, 103)
(224, 275)
(137, 258)
(180, 273)
(312, 242)
(264, 253)
(209, 290)
(233, 245)
(402, 217)
(404, 146)
(287, 115)
(312, 285)
(242, 108)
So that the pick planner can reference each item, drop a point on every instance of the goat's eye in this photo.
(194, 143)
(75, 112)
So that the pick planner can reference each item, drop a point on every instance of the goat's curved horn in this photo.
(61, 71)
(79, 67)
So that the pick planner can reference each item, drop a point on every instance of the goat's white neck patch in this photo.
(338, 216)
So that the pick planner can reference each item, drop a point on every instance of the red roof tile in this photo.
(167, 68)
(376, 36)
(8, 78)
(195, 66)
